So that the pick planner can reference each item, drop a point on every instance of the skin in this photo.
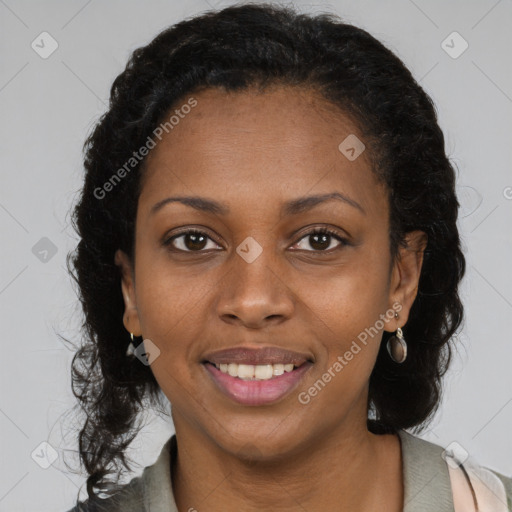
(252, 152)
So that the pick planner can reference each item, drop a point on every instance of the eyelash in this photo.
(321, 231)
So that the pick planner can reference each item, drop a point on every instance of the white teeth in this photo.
(278, 369)
(254, 372)
(246, 371)
(263, 372)
(233, 369)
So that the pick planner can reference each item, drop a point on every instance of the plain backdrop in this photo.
(49, 105)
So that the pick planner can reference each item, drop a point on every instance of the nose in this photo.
(254, 295)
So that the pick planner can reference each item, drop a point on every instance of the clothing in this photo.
(427, 486)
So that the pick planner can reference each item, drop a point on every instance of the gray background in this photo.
(49, 106)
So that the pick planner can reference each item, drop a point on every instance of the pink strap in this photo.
(475, 488)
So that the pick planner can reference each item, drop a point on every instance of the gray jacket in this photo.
(427, 486)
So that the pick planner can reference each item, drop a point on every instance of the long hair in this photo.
(233, 49)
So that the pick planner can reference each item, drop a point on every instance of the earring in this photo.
(131, 348)
(397, 347)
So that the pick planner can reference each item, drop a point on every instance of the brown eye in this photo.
(189, 241)
(320, 240)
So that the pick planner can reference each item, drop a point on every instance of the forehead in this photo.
(254, 145)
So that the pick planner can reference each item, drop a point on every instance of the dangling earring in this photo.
(397, 347)
(131, 348)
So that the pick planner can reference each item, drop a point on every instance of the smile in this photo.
(256, 385)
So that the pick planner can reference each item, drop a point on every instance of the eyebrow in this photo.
(293, 207)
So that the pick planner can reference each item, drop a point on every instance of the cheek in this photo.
(346, 359)
(174, 311)
(168, 298)
(350, 309)
(352, 296)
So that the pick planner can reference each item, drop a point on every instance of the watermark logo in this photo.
(351, 147)
(44, 455)
(44, 250)
(455, 454)
(146, 352)
(249, 249)
(44, 45)
(454, 45)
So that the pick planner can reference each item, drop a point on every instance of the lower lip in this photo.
(257, 392)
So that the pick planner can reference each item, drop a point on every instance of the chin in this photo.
(260, 439)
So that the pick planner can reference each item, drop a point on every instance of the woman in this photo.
(269, 242)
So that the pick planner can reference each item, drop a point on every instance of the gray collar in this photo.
(156, 479)
(427, 484)
(426, 479)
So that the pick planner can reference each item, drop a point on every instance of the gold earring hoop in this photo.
(131, 348)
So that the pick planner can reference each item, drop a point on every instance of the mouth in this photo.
(256, 376)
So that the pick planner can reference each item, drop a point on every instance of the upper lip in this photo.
(256, 356)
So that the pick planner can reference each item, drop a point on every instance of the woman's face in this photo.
(257, 277)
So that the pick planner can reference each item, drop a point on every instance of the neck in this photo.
(350, 469)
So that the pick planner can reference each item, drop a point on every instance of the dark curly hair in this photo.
(254, 46)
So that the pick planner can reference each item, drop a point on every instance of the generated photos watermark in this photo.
(305, 396)
(143, 151)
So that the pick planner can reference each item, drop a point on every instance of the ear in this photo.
(405, 277)
(131, 315)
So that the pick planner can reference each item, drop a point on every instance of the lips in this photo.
(259, 356)
(256, 376)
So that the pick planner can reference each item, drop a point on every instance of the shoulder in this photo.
(431, 471)
(425, 475)
(145, 492)
(130, 498)
(507, 484)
